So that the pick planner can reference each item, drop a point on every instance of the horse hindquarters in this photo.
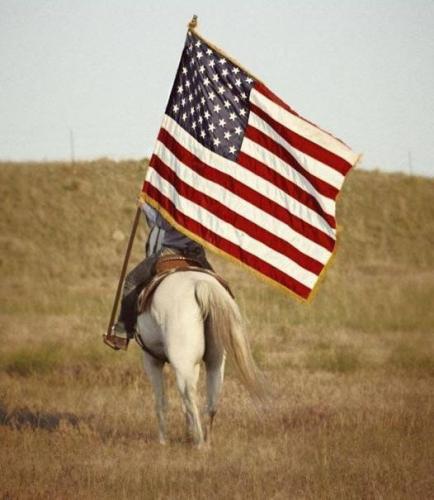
(174, 327)
(224, 332)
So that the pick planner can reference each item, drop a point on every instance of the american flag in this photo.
(240, 171)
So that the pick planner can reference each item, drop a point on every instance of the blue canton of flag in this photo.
(210, 98)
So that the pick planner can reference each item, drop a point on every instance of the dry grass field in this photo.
(352, 374)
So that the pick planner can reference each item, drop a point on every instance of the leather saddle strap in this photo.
(169, 262)
(139, 340)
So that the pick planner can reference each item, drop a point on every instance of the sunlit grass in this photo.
(351, 374)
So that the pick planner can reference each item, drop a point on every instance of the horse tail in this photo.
(223, 321)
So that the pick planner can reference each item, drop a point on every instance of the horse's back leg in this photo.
(214, 383)
(186, 380)
(214, 359)
(154, 370)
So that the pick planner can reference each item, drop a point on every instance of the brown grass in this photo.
(351, 374)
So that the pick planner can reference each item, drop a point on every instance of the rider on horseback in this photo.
(163, 239)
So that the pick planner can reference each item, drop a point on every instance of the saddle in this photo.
(170, 264)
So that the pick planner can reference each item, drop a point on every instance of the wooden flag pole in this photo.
(124, 270)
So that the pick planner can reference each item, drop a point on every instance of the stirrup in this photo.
(115, 342)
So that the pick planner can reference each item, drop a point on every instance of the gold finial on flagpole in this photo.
(193, 23)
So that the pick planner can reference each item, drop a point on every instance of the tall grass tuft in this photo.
(332, 358)
(405, 356)
(26, 362)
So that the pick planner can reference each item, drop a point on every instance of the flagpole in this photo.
(192, 26)
(124, 270)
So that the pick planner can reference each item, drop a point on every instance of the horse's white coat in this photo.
(193, 318)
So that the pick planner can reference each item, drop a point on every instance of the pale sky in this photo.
(363, 70)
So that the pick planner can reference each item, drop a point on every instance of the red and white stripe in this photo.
(274, 208)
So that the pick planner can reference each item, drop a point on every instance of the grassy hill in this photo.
(352, 371)
(64, 225)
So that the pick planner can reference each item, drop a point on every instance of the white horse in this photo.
(193, 318)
